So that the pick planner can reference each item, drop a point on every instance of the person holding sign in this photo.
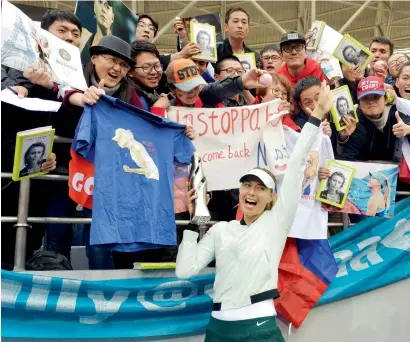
(334, 185)
(248, 252)
(377, 131)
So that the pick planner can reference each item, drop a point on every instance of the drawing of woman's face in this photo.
(203, 40)
(342, 107)
(35, 155)
(335, 183)
(246, 65)
(350, 54)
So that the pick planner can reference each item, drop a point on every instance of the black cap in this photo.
(292, 37)
(115, 46)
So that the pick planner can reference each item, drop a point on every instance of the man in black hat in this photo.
(297, 65)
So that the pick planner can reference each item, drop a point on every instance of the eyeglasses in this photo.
(114, 61)
(289, 48)
(150, 27)
(233, 71)
(398, 61)
(279, 93)
(148, 68)
(274, 58)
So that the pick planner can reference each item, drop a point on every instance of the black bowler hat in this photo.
(115, 46)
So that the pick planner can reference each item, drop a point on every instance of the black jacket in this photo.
(368, 143)
(225, 50)
(217, 92)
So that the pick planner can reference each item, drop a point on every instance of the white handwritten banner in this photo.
(230, 140)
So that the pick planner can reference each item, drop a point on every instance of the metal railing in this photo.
(23, 221)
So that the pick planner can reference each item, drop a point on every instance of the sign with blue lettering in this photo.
(372, 254)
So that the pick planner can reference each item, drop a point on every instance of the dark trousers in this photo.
(59, 236)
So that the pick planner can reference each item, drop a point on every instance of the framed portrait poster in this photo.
(204, 35)
(342, 106)
(248, 60)
(351, 53)
(334, 189)
(317, 30)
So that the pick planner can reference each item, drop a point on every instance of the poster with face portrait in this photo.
(351, 53)
(204, 35)
(372, 191)
(248, 60)
(25, 46)
(213, 19)
(100, 18)
(317, 30)
(342, 107)
(33, 147)
(334, 189)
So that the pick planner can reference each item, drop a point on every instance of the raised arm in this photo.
(291, 190)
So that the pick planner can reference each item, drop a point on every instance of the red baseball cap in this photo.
(370, 85)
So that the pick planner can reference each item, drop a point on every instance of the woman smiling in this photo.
(248, 252)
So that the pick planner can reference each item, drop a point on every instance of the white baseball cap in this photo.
(263, 176)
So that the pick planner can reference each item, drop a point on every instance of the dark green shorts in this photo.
(250, 330)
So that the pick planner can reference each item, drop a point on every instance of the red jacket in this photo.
(312, 68)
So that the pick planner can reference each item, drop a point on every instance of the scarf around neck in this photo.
(380, 123)
(108, 91)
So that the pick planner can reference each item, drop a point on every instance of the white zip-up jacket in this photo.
(247, 257)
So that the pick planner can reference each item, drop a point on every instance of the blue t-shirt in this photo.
(133, 198)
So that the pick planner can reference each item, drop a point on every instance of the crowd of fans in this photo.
(138, 74)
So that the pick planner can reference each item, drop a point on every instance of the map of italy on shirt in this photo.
(133, 199)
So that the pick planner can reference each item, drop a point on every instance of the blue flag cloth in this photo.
(372, 254)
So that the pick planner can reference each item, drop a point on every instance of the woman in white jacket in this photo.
(247, 252)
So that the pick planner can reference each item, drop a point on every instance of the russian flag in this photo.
(306, 269)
